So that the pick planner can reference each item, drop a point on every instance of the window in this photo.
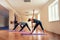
(53, 11)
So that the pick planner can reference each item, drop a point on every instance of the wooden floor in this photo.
(5, 35)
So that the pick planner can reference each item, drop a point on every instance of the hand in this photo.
(31, 33)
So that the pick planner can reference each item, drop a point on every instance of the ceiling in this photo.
(23, 7)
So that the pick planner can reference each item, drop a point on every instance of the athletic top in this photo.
(36, 21)
(22, 23)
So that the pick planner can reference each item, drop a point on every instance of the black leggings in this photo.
(21, 26)
(15, 26)
(24, 27)
(37, 26)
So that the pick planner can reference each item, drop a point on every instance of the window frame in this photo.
(50, 15)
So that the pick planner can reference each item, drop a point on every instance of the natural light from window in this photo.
(53, 11)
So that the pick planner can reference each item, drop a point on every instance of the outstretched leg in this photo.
(22, 27)
(28, 27)
(41, 26)
(35, 27)
(15, 26)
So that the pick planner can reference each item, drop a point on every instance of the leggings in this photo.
(37, 26)
(24, 27)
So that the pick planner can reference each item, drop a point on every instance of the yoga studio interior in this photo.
(41, 15)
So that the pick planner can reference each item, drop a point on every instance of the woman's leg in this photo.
(28, 27)
(41, 26)
(15, 26)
